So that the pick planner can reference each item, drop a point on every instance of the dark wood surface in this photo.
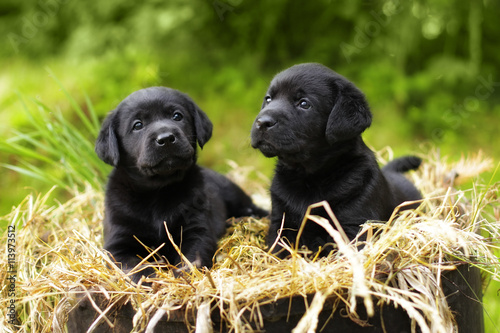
(463, 288)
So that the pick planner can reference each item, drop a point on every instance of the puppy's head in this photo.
(308, 109)
(153, 134)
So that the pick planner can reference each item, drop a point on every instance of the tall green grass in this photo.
(55, 148)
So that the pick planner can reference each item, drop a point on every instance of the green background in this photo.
(429, 69)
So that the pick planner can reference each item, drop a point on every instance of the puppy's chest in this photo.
(156, 208)
(297, 195)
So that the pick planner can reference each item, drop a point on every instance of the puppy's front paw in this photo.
(145, 271)
(185, 270)
(182, 272)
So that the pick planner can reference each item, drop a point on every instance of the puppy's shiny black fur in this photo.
(151, 139)
(312, 119)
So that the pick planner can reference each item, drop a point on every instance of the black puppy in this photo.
(151, 139)
(312, 119)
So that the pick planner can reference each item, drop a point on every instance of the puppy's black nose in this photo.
(165, 138)
(265, 122)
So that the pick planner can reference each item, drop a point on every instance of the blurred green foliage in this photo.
(429, 68)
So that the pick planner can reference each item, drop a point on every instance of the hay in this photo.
(58, 257)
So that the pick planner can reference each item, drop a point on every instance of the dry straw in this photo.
(59, 257)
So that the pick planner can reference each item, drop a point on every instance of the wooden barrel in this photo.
(462, 287)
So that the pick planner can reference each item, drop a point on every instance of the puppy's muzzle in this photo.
(165, 138)
(265, 122)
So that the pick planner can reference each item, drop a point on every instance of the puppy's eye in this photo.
(267, 99)
(177, 116)
(304, 104)
(138, 125)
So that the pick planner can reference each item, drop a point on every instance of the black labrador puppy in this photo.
(151, 139)
(312, 119)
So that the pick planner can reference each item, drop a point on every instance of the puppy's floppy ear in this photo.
(106, 145)
(202, 125)
(350, 115)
